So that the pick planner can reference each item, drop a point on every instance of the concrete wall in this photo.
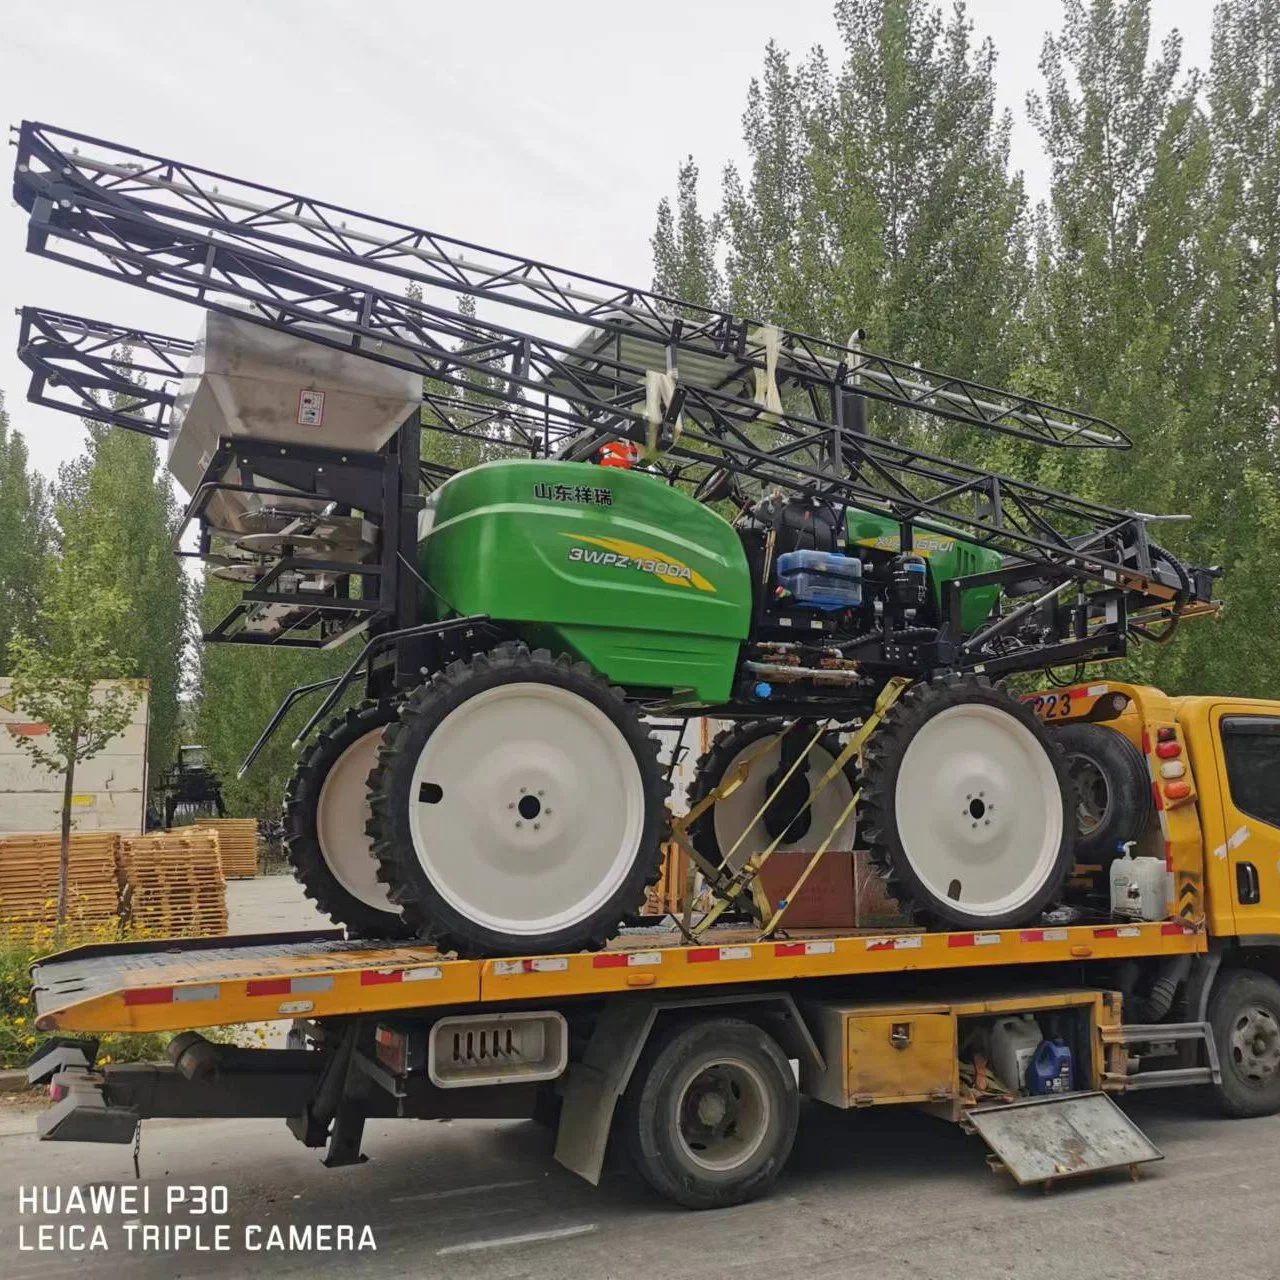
(110, 790)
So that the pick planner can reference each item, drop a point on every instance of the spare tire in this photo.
(1112, 789)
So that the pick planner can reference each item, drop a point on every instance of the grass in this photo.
(24, 944)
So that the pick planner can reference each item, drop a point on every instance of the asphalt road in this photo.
(878, 1195)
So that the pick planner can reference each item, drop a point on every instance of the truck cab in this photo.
(1233, 745)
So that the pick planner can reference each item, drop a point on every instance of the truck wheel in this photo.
(1112, 788)
(711, 1112)
(967, 806)
(517, 806)
(1244, 1012)
(326, 808)
(718, 830)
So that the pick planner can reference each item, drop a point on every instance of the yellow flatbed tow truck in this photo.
(693, 1055)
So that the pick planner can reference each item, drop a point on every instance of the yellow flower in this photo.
(24, 1000)
(19, 1022)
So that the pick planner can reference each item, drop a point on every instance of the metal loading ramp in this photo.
(1044, 1140)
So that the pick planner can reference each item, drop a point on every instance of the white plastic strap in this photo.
(767, 395)
(659, 391)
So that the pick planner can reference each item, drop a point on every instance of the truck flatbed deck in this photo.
(178, 984)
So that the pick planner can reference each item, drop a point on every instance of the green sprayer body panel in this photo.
(629, 574)
(948, 556)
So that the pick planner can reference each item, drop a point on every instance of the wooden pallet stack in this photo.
(173, 883)
(238, 844)
(29, 879)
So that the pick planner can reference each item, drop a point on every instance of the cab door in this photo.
(1247, 742)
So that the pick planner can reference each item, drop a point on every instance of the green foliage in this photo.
(56, 669)
(239, 688)
(1146, 289)
(18, 1036)
(19, 1039)
(24, 535)
(684, 244)
(116, 505)
(57, 666)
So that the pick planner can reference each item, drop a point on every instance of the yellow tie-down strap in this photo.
(747, 877)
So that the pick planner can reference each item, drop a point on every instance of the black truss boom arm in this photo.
(137, 370)
(107, 373)
(191, 232)
(700, 388)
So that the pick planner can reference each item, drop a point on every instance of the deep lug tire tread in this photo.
(301, 797)
(881, 760)
(399, 868)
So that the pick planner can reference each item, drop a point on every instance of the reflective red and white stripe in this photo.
(625, 959)
(542, 964)
(973, 939)
(907, 942)
(171, 995)
(287, 986)
(420, 973)
(785, 949)
(1043, 935)
(705, 955)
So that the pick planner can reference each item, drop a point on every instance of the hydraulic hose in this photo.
(1154, 1006)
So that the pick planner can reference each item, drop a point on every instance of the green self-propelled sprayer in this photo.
(629, 507)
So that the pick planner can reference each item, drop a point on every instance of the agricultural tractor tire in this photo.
(719, 832)
(1112, 789)
(326, 810)
(517, 806)
(967, 807)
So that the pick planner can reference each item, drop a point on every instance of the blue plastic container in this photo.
(821, 579)
(1051, 1069)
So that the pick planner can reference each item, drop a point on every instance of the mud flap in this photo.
(82, 1113)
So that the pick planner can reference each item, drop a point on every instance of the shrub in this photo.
(22, 946)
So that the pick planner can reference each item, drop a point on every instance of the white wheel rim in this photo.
(979, 810)
(732, 814)
(341, 814)
(527, 808)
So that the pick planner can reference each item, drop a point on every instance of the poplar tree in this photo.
(24, 536)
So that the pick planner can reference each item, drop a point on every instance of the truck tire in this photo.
(326, 808)
(1244, 1012)
(710, 1114)
(1112, 788)
(517, 806)
(716, 831)
(967, 809)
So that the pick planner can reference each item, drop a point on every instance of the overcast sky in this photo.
(548, 128)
